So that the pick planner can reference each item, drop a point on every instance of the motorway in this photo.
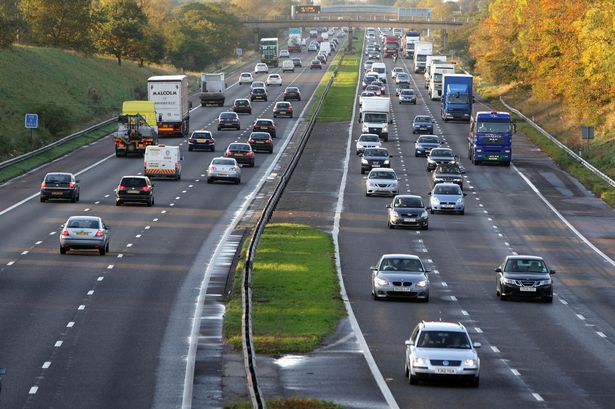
(556, 355)
(85, 331)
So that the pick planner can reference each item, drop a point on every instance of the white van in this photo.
(325, 46)
(381, 70)
(163, 161)
(288, 65)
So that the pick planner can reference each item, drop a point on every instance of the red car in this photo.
(241, 152)
(283, 108)
(315, 64)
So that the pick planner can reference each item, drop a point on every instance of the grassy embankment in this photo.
(550, 117)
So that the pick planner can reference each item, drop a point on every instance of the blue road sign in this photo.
(31, 121)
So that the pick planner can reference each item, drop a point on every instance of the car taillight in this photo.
(43, 185)
(250, 154)
(268, 141)
(290, 108)
(144, 187)
(121, 187)
(99, 233)
(227, 153)
(71, 185)
(65, 233)
(251, 141)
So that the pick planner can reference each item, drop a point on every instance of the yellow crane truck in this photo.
(136, 128)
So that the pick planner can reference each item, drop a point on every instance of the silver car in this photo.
(365, 141)
(400, 276)
(447, 197)
(84, 232)
(224, 169)
(381, 181)
(407, 210)
(441, 349)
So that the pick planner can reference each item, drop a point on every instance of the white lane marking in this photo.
(177, 197)
(107, 195)
(464, 312)
(579, 316)
(155, 220)
(97, 202)
(506, 243)
(184, 191)
(563, 219)
(563, 301)
(87, 209)
(478, 330)
(129, 245)
(110, 267)
(601, 334)
(52, 233)
(148, 227)
(538, 397)
(70, 324)
(163, 211)
(33, 390)
(172, 204)
(58, 344)
(90, 292)
(81, 307)
(495, 349)
(138, 236)
(436, 272)
(46, 365)
(23, 253)
(444, 284)
(100, 278)
(10, 263)
(38, 242)
(120, 255)
(190, 185)
(453, 298)
(515, 372)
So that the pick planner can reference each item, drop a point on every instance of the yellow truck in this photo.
(136, 128)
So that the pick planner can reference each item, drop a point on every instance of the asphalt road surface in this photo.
(85, 331)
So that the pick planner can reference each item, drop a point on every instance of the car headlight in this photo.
(507, 151)
(386, 162)
(385, 128)
(422, 283)
(435, 201)
(370, 183)
(424, 214)
(418, 361)
(364, 161)
(545, 282)
(469, 362)
(429, 160)
(479, 150)
(381, 281)
(460, 201)
(508, 281)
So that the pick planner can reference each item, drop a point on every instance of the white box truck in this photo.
(430, 60)
(213, 87)
(421, 50)
(375, 116)
(435, 82)
(170, 96)
(325, 46)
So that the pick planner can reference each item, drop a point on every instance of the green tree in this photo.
(9, 22)
(59, 23)
(120, 29)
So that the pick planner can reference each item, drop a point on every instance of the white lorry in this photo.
(170, 96)
(213, 87)
(421, 50)
(435, 81)
(325, 46)
(430, 60)
(375, 116)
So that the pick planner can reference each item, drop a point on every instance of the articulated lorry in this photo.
(213, 87)
(457, 97)
(170, 95)
(408, 41)
(391, 46)
(421, 50)
(136, 128)
(375, 116)
(269, 51)
(294, 40)
(438, 70)
(490, 138)
(428, 61)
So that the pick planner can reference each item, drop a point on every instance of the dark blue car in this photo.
(422, 124)
(202, 140)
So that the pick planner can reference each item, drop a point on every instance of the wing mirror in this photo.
(390, 121)
(373, 268)
(465, 194)
(388, 206)
(77, 181)
(552, 272)
(409, 342)
(477, 345)
(498, 269)
(428, 193)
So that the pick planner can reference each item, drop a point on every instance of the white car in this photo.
(261, 67)
(274, 79)
(284, 54)
(381, 181)
(366, 141)
(245, 78)
(257, 84)
(396, 71)
(443, 349)
(222, 168)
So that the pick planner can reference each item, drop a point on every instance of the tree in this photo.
(120, 29)
(9, 22)
(59, 23)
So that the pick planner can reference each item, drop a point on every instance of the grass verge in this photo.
(292, 403)
(339, 102)
(295, 292)
(325, 80)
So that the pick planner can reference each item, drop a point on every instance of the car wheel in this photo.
(149, 203)
(209, 180)
(189, 148)
(237, 181)
(252, 164)
(219, 128)
(118, 202)
(412, 379)
(462, 212)
(62, 250)
(432, 211)
(43, 199)
(153, 203)
(426, 227)
(548, 299)
(362, 171)
(391, 226)
(475, 382)
(107, 247)
(102, 251)
(73, 199)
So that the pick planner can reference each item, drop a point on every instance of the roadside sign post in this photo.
(239, 51)
(31, 122)
(587, 133)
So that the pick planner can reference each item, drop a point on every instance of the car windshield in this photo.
(376, 153)
(422, 119)
(228, 116)
(415, 202)
(246, 75)
(274, 76)
(239, 147)
(368, 94)
(58, 178)
(494, 127)
(382, 175)
(260, 135)
(137, 182)
(258, 91)
(373, 87)
(449, 169)
(369, 138)
(378, 118)
(263, 123)
(282, 104)
(526, 266)
(457, 98)
(442, 153)
(429, 139)
(407, 92)
(83, 224)
(222, 161)
(447, 190)
(242, 102)
(379, 70)
(443, 339)
(201, 135)
(292, 89)
(401, 264)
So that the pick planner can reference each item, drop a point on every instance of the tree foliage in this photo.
(9, 22)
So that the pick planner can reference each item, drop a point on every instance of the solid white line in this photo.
(371, 362)
(563, 219)
(58, 344)
(33, 390)
(495, 349)
(538, 397)
(46, 365)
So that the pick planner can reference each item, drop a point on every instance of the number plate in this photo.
(410, 220)
(56, 193)
(133, 191)
(446, 370)
(448, 206)
(82, 233)
(239, 154)
(528, 289)
(263, 127)
(201, 140)
(402, 289)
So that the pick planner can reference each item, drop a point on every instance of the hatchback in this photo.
(425, 143)
(315, 65)
(223, 169)
(438, 156)
(441, 349)
(365, 141)
(292, 93)
(526, 276)
(84, 232)
(400, 276)
(313, 47)
(241, 152)
(407, 210)
(242, 106)
(283, 108)
(257, 84)
(447, 197)
(261, 141)
(258, 94)
(407, 96)
(382, 181)
(228, 120)
(201, 140)
(284, 54)
(245, 78)
(274, 79)
(375, 158)
(422, 124)
(261, 67)
(264, 125)
(59, 185)
(134, 189)
(297, 62)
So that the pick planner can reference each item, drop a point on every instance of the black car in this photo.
(261, 141)
(524, 276)
(134, 189)
(448, 173)
(59, 185)
(264, 125)
(201, 140)
(407, 210)
(282, 108)
(425, 143)
(292, 93)
(241, 152)
(422, 124)
(228, 120)
(242, 106)
(375, 158)
(258, 94)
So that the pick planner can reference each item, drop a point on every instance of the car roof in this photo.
(401, 255)
(441, 149)
(59, 173)
(442, 326)
(524, 257)
(135, 176)
(446, 184)
(84, 218)
(389, 170)
(408, 197)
